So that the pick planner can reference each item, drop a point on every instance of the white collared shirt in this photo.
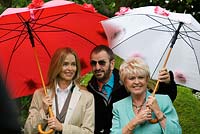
(62, 95)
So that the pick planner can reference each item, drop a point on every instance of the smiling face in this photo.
(102, 66)
(69, 68)
(136, 83)
(64, 67)
(135, 75)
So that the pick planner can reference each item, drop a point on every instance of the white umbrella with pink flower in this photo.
(162, 38)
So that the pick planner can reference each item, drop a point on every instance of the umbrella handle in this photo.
(153, 121)
(50, 131)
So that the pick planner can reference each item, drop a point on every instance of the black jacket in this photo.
(103, 107)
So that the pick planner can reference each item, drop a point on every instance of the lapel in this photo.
(129, 108)
(72, 104)
(49, 92)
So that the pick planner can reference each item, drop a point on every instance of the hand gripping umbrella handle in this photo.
(50, 131)
(153, 121)
(173, 40)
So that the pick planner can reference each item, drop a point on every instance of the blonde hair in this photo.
(133, 66)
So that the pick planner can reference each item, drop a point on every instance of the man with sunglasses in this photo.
(106, 87)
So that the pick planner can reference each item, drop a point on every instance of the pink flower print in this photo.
(89, 7)
(122, 11)
(161, 11)
(180, 77)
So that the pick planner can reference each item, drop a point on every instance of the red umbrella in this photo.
(45, 27)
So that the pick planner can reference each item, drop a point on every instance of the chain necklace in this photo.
(138, 108)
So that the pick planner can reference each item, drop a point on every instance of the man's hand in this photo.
(164, 76)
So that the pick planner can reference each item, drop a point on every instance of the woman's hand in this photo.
(53, 123)
(47, 101)
(142, 116)
(153, 104)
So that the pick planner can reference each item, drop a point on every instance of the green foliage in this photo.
(118, 61)
(86, 78)
(188, 109)
(20, 3)
(23, 104)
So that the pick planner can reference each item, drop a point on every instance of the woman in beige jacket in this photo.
(73, 108)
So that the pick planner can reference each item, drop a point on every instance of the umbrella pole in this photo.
(153, 121)
(164, 65)
(50, 131)
(45, 91)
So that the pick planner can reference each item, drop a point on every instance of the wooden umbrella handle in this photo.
(50, 131)
(153, 121)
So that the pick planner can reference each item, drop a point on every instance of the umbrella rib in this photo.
(34, 22)
(180, 34)
(23, 21)
(66, 30)
(62, 16)
(191, 30)
(38, 39)
(192, 46)
(11, 30)
(46, 24)
(11, 38)
(159, 61)
(152, 28)
(8, 28)
(162, 23)
(58, 29)
(170, 44)
(16, 46)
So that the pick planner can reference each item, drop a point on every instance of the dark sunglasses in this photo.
(100, 62)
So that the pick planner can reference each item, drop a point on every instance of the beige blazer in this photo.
(79, 118)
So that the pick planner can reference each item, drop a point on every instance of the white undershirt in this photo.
(62, 95)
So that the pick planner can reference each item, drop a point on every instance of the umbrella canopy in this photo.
(55, 24)
(151, 32)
